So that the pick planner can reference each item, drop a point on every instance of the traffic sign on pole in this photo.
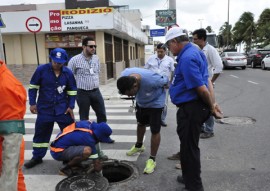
(33, 24)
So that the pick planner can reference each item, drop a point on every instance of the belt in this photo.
(95, 89)
(12, 126)
(186, 103)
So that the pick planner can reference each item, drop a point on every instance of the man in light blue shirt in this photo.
(161, 64)
(149, 92)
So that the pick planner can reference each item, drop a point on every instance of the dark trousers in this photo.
(190, 117)
(93, 98)
(43, 131)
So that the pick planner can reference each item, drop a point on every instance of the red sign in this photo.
(55, 20)
(33, 24)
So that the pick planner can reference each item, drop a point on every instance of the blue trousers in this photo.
(43, 131)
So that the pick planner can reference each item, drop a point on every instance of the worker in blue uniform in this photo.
(56, 88)
(76, 143)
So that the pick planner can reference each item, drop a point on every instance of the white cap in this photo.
(174, 32)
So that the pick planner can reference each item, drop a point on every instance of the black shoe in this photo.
(66, 171)
(163, 124)
(206, 135)
(32, 163)
(180, 179)
(111, 141)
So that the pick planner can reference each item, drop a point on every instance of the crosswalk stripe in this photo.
(112, 154)
(31, 116)
(113, 126)
(117, 138)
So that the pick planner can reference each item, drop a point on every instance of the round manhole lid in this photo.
(236, 120)
(89, 182)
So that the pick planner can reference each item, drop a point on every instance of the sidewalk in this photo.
(109, 91)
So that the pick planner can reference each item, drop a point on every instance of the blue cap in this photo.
(101, 130)
(59, 55)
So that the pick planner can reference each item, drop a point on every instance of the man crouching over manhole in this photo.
(76, 143)
(148, 89)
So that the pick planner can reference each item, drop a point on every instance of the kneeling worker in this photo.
(76, 143)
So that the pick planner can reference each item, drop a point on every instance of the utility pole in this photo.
(172, 4)
(228, 27)
(2, 55)
(200, 22)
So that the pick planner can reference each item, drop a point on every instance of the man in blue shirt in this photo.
(189, 92)
(149, 92)
(57, 90)
(76, 143)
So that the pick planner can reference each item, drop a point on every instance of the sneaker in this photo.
(163, 124)
(150, 166)
(135, 150)
(174, 156)
(206, 135)
(178, 166)
(32, 163)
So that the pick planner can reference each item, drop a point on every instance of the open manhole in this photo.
(236, 120)
(117, 172)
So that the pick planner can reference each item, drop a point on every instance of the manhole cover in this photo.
(89, 182)
(236, 120)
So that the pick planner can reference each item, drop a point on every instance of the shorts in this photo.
(69, 153)
(149, 117)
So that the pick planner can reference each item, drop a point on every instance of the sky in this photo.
(191, 14)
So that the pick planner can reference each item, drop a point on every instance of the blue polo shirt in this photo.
(191, 72)
(151, 93)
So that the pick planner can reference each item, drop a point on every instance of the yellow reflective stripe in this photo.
(72, 93)
(31, 86)
(95, 156)
(41, 145)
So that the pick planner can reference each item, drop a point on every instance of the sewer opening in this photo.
(116, 172)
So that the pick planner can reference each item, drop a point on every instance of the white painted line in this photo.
(113, 126)
(112, 154)
(253, 82)
(234, 76)
(128, 117)
(117, 138)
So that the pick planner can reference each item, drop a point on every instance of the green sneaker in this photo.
(135, 150)
(150, 166)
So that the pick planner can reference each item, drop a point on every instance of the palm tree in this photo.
(263, 28)
(225, 32)
(244, 30)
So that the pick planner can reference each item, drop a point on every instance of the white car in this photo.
(265, 64)
(233, 60)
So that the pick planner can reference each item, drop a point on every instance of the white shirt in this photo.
(215, 65)
(163, 67)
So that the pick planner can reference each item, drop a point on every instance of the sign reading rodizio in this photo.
(73, 19)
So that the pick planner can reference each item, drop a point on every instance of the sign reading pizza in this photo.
(73, 19)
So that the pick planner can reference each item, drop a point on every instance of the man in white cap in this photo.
(56, 88)
(189, 92)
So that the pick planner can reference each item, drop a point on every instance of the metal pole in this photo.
(200, 22)
(228, 28)
(2, 55)
(36, 48)
(172, 4)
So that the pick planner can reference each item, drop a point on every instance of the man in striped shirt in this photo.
(86, 68)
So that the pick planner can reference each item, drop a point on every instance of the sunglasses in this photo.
(92, 46)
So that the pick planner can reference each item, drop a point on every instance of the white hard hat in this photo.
(174, 32)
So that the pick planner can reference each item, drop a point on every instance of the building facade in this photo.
(33, 30)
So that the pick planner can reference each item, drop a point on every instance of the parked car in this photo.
(266, 62)
(233, 60)
(255, 57)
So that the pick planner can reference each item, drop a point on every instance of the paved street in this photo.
(235, 159)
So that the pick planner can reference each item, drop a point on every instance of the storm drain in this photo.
(236, 120)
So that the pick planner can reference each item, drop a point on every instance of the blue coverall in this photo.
(56, 95)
